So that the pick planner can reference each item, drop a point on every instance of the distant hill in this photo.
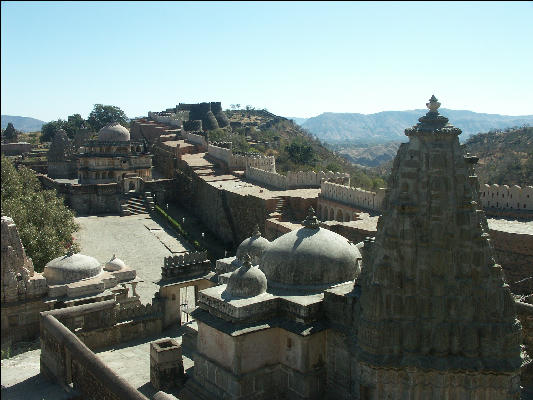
(23, 124)
(390, 125)
(505, 157)
(298, 121)
(293, 147)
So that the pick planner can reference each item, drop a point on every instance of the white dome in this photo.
(255, 246)
(113, 132)
(71, 268)
(115, 264)
(247, 280)
(310, 258)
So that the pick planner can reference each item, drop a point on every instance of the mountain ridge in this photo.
(387, 126)
(23, 124)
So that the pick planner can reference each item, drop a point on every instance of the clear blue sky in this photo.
(295, 59)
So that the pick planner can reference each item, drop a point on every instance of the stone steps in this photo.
(135, 205)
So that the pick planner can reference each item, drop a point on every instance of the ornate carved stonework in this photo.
(430, 277)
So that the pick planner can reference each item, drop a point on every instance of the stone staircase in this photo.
(137, 203)
(282, 211)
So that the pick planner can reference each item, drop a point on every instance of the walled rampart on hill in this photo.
(507, 201)
(300, 179)
(351, 196)
(165, 157)
(195, 139)
(229, 215)
(174, 119)
(514, 251)
(149, 130)
(15, 149)
(267, 178)
(87, 199)
(241, 161)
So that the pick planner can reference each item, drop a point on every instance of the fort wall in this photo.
(15, 149)
(195, 139)
(300, 179)
(514, 252)
(353, 196)
(87, 199)
(233, 162)
(149, 130)
(507, 201)
(229, 215)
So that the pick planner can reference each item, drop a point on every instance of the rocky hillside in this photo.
(505, 157)
(390, 125)
(294, 148)
(367, 155)
(23, 124)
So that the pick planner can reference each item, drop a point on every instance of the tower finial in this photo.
(246, 261)
(257, 232)
(311, 220)
(433, 104)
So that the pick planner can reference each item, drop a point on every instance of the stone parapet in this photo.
(66, 360)
(351, 196)
(504, 197)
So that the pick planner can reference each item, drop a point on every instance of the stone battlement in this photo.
(352, 196)
(241, 161)
(185, 266)
(506, 197)
(300, 179)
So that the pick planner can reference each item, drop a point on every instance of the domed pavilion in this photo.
(113, 156)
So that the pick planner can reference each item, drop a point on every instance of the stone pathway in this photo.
(136, 239)
(21, 379)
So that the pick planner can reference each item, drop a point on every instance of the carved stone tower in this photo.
(437, 319)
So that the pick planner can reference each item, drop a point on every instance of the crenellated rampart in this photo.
(512, 201)
(186, 265)
(351, 196)
(293, 180)
(272, 179)
(195, 139)
(241, 161)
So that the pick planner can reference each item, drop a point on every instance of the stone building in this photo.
(113, 157)
(61, 157)
(421, 311)
(65, 280)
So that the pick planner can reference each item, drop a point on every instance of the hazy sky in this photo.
(295, 59)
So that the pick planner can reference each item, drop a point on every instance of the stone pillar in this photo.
(166, 364)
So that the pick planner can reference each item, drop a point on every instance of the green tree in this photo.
(301, 152)
(74, 123)
(11, 134)
(102, 115)
(44, 223)
(49, 129)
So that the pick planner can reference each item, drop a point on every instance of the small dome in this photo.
(246, 281)
(254, 246)
(71, 268)
(115, 264)
(310, 258)
(113, 132)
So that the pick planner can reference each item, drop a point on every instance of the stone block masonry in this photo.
(353, 196)
(65, 360)
(228, 215)
(300, 179)
(166, 364)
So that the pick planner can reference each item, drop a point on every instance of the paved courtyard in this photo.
(137, 240)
